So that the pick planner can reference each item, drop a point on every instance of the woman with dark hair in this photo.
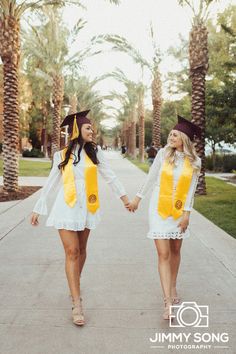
(76, 209)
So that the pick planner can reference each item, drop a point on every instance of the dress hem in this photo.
(73, 226)
(166, 236)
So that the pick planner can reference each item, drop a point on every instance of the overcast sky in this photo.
(131, 19)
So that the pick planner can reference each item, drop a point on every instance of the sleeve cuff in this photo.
(188, 209)
(140, 195)
(40, 207)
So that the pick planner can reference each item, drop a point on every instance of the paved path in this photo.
(223, 176)
(120, 284)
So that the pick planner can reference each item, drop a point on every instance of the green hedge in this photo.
(33, 153)
(223, 163)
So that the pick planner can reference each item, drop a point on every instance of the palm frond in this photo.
(122, 45)
(228, 30)
(115, 2)
(38, 4)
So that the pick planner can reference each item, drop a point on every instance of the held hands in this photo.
(131, 206)
(34, 219)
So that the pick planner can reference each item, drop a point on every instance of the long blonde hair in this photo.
(188, 149)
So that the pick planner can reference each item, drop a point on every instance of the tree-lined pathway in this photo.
(120, 284)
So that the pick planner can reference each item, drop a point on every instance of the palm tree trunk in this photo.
(126, 134)
(198, 117)
(45, 133)
(58, 92)
(127, 137)
(141, 129)
(198, 55)
(10, 54)
(132, 136)
(73, 103)
(123, 134)
(156, 102)
(156, 129)
(10, 127)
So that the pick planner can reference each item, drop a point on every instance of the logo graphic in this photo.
(198, 315)
(92, 198)
(178, 204)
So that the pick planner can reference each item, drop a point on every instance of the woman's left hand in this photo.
(125, 200)
(183, 224)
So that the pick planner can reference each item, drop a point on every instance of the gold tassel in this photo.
(75, 131)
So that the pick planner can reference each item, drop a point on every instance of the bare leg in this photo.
(163, 250)
(71, 246)
(83, 239)
(175, 257)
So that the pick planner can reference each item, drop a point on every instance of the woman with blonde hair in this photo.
(173, 177)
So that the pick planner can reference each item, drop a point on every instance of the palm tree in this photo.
(10, 15)
(141, 115)
(48, 45)
(120, 115)
(81, 93)
(121, 44)
(156, 91)
(198, 61)
(231, 65)
(129, 102)
(123, 115)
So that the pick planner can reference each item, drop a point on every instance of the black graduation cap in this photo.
(75, 120)
(188, 128)
(69, 120)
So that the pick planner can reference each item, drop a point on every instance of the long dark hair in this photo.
(90, 149)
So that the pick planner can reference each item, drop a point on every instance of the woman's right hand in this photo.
(34, 219)
(133, 206)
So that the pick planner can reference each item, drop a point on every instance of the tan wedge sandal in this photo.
(77, 313)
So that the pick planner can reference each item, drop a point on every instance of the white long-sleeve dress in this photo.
(160, 228)
(77, 218)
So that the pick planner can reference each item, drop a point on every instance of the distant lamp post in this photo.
(66, 108)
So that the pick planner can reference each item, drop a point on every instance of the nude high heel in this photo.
(176, 300)
(77, 313)
(167, 310)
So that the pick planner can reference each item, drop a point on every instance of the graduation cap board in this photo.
(75, 120)
(188, 128)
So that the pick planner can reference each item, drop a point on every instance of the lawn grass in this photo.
(31, 168)
(142, 165)
(219, 205)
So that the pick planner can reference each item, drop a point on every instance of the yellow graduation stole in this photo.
(166, 205)
(91, 184)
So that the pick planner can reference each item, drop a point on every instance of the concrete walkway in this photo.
(223, 176)
(120, 285)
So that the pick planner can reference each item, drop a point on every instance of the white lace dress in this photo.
(77, 218)
(160, 228)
